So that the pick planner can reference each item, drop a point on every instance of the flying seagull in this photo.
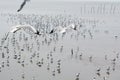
(63, 30)
(28, 27)
(22, 5)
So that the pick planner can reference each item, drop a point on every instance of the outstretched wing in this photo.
(60, 29)
(71, 26)
(30, 28)
(15, 30)
(22, 5)
(27, 28)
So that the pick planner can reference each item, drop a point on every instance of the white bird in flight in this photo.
(16, 28)
(63, 30)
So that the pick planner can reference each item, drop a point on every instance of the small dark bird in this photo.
(38, 33)
(22, 5)
(52, 31)
(75, 28)
(98, 69)
(108, 69)
(98, 73)
(108, 73)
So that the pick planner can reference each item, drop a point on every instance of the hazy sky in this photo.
(11, 2)
(17, 2)
(58, 0)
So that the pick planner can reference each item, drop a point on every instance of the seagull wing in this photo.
(33, 29)
(22, 5)
(61, 29)
(71, 26)
(15, 30)
(27, 28)
(30, 28)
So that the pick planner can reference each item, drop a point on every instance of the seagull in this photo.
(94, 78)
(108, 69)
(98, 69)
(73, 26)
(78, 74)
(63, 30)
(22, 5)
(29, 27)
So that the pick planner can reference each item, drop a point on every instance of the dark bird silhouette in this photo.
(108, 69)
(98, 73)
(75, 27)
(22, 5)
(52, 31)
(38, 33)
(98, 70)
(108, 73)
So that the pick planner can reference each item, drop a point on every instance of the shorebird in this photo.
(22, 5)
(78, 74)
(104, 78)
(98, 70)
(94, 78)
(16, 28)
(108, 69)
(4, 38)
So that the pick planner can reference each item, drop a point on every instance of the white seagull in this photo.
(63, 30)
(16, 28)
(22, 5)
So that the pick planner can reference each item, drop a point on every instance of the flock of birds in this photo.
(60, 29)
(44, 46)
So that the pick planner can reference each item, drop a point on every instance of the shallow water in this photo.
(102, 43)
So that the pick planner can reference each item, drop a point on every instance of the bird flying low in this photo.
(16, 28)
(63, 30)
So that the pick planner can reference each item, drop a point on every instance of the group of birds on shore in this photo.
(25, 51)
(60, 29)
(44, 25)
(44, 49)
